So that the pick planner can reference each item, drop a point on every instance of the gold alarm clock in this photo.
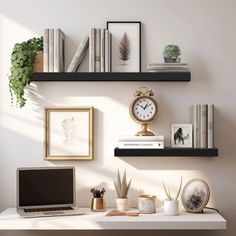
(143, 110)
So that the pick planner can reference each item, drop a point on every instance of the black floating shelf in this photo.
(111, 77)
(167, 151)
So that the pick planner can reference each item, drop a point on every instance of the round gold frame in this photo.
(207, 198)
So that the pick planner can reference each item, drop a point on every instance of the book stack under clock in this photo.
(141, 142)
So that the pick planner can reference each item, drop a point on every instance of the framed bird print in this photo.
(125, 45)
(69, 133)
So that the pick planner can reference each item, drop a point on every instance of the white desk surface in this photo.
(10, 220)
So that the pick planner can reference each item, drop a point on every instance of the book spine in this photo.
(195, 125)
(203, 126)
(61, 51)
(45, 50)
(102, 50)
(98, 51)
(210, 126)
(106, 51)
(79, 55)
(148, 145)
(92, 50)
(81, 58)
(110, 51)
(56, 51)
(51, 49)
(198, 125)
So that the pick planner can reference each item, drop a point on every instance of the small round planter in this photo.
(122, 204)
(171, 208)
(172, 59)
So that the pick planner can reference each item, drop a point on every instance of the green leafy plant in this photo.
(171, 50)
(21, 71)
(121, 186)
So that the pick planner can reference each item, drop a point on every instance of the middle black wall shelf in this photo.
(112, 77)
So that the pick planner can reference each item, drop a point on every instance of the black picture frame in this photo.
(140, 51)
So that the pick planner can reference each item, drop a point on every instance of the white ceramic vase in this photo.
(122, 204)
(171, 207)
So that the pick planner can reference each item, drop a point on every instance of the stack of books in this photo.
(79, 55)
(202, 119)
(53, 50)
(141, 142)
(168, 67)
(99, 50)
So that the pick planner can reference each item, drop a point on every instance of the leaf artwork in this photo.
(124, 48)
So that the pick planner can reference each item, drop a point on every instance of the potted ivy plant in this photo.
(172, 53)
(25, 60)
(122, 189)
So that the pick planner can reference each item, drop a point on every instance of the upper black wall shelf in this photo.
(110, 77)
(167, 151)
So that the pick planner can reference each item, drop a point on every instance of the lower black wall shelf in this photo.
(167, 151)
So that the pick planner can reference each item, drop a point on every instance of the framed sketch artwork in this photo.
(125, 46)
(69, 133)
(195, 195)
(181, 136)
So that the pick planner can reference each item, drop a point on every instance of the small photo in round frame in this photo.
(195, 195)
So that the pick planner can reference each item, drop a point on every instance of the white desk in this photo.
(10, 220)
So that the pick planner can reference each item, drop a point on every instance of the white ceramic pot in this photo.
(171, 208)
(122, 204)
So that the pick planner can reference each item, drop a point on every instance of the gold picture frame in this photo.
(69, 133)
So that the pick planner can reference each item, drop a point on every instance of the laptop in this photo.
(46, 191)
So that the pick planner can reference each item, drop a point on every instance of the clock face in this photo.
(144, 109)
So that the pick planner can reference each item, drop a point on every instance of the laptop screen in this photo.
(45, 186)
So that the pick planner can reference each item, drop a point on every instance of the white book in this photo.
(79, 55)
(107, 51)
(92, 50)
(141, 145)
(198, 129)
(141, 138)
(167, 66)
(61, 51)
(51, 51)
(45, 50)
(195, 125)
(56, 65)
(203, 126)
(102, 50)
(210, 126)
(98, 51)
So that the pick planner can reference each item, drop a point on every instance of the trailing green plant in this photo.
(21, 71)
(121, 186)
(172, 50)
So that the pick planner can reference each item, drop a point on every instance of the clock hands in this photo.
(147, 105)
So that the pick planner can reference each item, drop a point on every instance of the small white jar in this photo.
(171, 207)
(147, 204)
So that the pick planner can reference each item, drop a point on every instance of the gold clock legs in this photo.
(144, 131)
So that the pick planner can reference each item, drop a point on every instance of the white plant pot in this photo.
(122, 204)
(171, 207)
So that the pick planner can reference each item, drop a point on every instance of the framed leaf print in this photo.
(69, 133)
(125, 46)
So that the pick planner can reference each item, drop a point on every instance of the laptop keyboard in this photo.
(49, 209)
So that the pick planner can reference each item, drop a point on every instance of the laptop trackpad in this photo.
(54, 213)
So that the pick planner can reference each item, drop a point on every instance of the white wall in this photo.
(204, 29)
